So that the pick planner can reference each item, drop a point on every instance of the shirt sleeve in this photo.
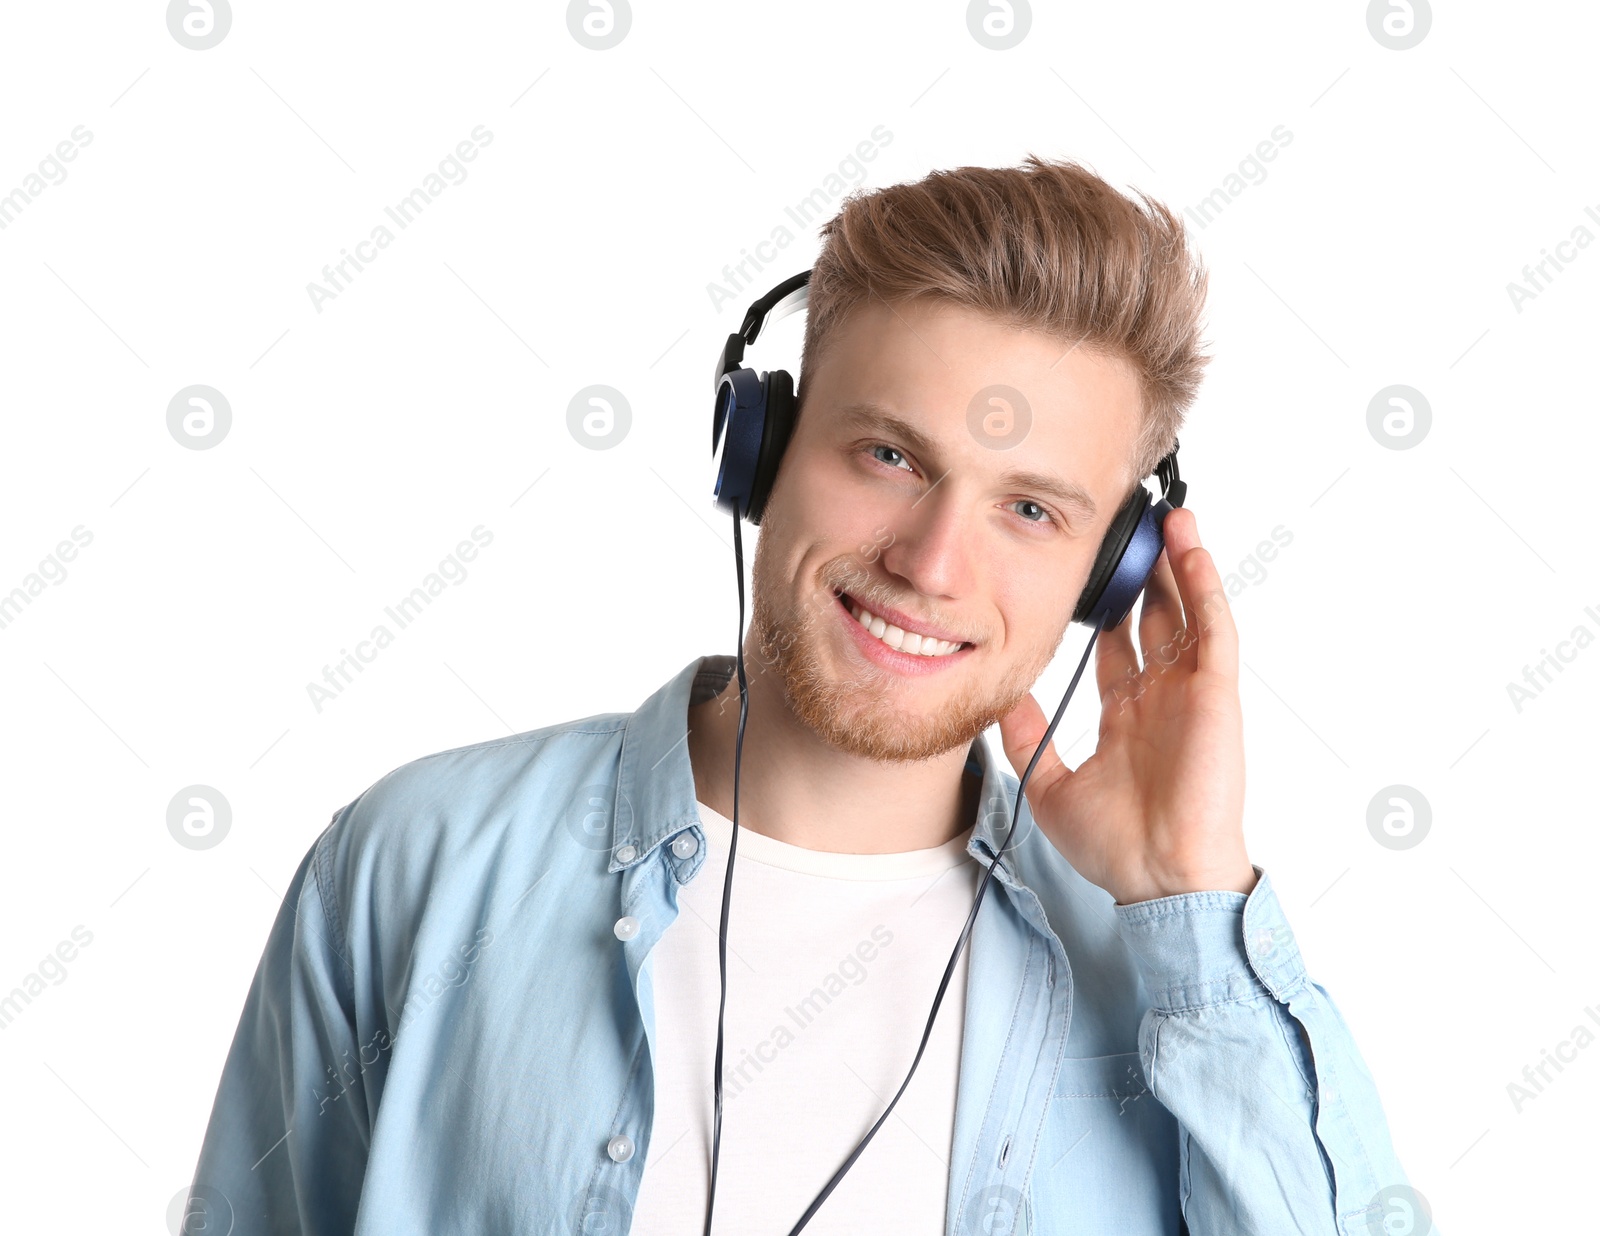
(1281, 1128)
(286, 1147)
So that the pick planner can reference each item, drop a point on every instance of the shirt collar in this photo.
(655, 785)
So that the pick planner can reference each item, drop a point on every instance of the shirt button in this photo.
(626, 928)
(626, 854)
(620, 1148)
(684, 845)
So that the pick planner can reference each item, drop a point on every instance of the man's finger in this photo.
(1162, 642)
(1208, 617)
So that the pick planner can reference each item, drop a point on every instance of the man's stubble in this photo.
(862, 711)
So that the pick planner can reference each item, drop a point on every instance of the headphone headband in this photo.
(788, 296)
(1172, 487)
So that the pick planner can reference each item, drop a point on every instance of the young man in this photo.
(489, 1003)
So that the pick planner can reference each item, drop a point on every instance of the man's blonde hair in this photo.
(1048, 246)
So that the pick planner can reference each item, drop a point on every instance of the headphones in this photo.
(754, 418)
(752, 422)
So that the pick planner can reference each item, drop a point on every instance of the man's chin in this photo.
(850, 703)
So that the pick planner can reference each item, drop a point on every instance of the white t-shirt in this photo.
(833, 963)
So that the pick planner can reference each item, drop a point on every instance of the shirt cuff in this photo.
(1203, 948)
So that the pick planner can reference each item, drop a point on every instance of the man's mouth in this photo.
(892, 636)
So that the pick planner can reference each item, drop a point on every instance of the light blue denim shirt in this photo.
(452, 1027)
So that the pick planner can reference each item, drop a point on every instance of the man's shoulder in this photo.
(470, 806)
(459, 774)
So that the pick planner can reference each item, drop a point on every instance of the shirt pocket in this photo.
(1109, 1158)
(1118, 1076)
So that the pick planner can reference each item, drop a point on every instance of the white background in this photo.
(431, 396)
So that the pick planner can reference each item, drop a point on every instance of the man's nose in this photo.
(931, 542)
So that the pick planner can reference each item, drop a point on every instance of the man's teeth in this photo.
(892, 635)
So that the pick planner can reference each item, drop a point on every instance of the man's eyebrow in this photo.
(878, 419)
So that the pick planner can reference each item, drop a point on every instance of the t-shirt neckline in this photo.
(906, 865)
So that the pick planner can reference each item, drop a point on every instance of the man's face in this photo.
(934, 529)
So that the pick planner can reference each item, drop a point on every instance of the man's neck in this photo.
(796, 788)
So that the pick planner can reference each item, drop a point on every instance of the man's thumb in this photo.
(1020, 732)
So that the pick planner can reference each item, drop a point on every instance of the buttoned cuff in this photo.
(1196, 949)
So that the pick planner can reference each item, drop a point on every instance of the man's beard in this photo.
(860, 712)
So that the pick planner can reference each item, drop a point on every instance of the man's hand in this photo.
(1158, 809)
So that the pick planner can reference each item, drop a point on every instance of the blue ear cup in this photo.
(1129, 550)
(753, 416)
(737, 425)
(754, 419)
(1131, 569)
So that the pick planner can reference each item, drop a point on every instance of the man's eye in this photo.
(883, 446)
(1046, 517)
